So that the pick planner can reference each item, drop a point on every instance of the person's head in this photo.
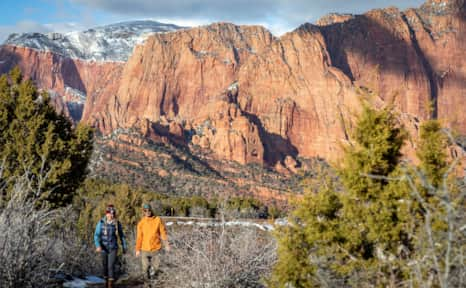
(147, 210)
(110, 212)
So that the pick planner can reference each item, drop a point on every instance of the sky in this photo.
(279, 16)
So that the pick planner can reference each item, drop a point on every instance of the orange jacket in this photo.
(150, 231)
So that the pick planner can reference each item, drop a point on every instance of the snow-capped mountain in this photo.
(113, 42)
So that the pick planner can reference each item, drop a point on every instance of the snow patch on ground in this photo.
(82, 283)
(244, 223)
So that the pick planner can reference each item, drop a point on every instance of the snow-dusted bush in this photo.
(219, 256)
(26, 239)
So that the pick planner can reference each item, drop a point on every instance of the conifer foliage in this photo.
(352, 230)
(431, 152)
(440, 195)
(383, 222)
(36, 141)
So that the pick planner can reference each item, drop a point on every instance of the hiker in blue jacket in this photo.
(106, 235)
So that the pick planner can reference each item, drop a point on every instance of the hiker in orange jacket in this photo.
(151, 234)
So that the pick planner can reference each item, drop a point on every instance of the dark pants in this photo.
(108, 263)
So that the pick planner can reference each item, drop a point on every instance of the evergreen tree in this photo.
(431, 152)
(358, 234)
(440, 236)
(36, 141)
(432, 147)
(313, 223)
(376, 217)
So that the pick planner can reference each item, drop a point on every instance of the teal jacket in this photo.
(106, 235)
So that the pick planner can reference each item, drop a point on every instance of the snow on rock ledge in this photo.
(113, 42)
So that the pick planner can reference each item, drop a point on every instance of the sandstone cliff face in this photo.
(264, 98)
(71, 82)
(413, 58)
(248, 96)
(301, 101)
(440, 30)
(376, 51)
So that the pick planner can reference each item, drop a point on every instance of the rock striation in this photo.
(70, 82)
(413, 58)
(242, 94)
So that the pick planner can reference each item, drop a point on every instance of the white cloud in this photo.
(21, 27)
(65, 27)
(277, 15)
(27, 26)
(32, 26)
(183, 22)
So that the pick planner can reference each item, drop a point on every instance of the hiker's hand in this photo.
(166, 245)
(98, 249)
(137, 253)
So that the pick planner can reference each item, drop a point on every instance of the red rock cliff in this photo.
(414, 58)
(248, 96)
(68, 80)
(284, 90)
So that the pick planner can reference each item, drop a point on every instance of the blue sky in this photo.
(277, 15)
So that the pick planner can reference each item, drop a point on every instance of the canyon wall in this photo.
(251, 97)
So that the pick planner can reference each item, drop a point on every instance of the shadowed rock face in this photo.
(258, 93)
(440, 30)
(414, 58)
(71, 82)
(248, 96)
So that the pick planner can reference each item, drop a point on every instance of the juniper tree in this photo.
(313, 223)
(359, 233)
(430, 173)
(34, 139)
(439, 193)
(376, 216)
(431, 152)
